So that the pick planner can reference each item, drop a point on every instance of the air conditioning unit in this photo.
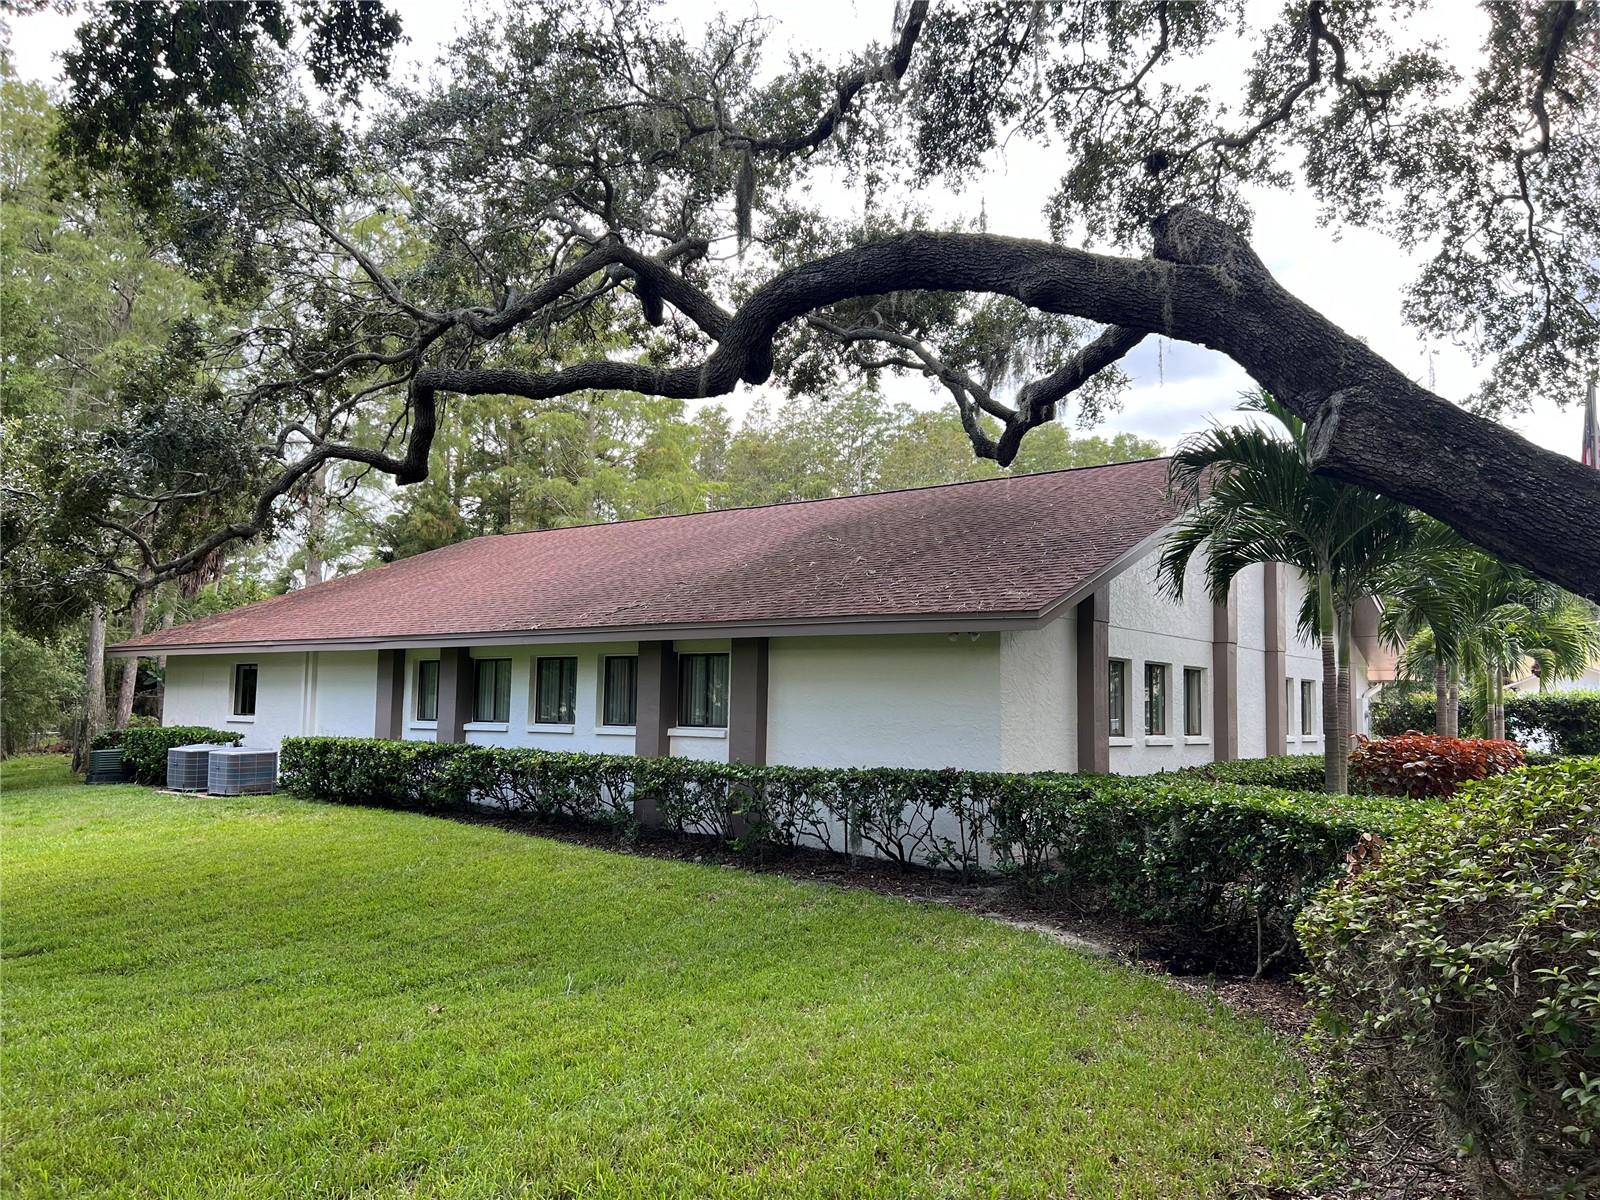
(236, 771)
(186, 767)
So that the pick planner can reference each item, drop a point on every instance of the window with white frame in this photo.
(1155, 699)
(1194, 691)
(619, 703)
(1308, 707)
(428, 690)
(491, 690)
(703, 690)
(555, 691)
(244, 689)
(1117, 698)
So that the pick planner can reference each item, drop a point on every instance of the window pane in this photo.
(492, 690)
(1117, 702)
(1155, 699)
(556, 696)
(244, 690)
(703, 690)
(428, 691)
(1193, 702)
(1308, 706)
(621, 691)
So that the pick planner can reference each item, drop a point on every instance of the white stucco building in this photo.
(1008, 624)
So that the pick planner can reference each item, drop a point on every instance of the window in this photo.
(555, 691)
(491, 689)
(1155, 699)
(244, 689)
(703, 690)
(428, 690)
(1193, 701)
(1117, 701)
(620, 705)
(1308, 707)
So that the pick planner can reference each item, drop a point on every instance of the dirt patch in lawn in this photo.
(1279, 1003)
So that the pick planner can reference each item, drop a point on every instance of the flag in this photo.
(1591, 430)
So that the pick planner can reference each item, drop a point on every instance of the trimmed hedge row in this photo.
(1296, 772)
(145, 750)
(1228, 865)
(1569, 721)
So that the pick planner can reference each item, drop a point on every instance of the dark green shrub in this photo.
(1415, 712)
(1296, 772)
(1568, 721)
(145, 749)
(1457, 987)
(1228, 865)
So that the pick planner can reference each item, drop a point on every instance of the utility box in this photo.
(236, 771)
(186, 767)
(106, 766)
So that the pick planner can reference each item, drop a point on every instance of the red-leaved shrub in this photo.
(1424, 764)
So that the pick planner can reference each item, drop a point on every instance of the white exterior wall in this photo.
(1249, 600)
(298, 693)
(1038, 702)
(918, 700)
(1147, 627)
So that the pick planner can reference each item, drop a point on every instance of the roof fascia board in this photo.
(1106, 574)
(846, 627)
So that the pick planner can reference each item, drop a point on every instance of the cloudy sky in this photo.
(1356, 279)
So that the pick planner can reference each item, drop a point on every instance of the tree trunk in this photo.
(94, 687)
(1454, 705)
(130, 666)
(316, 525)
(1441, 695)
(1332, 777)
(1342, 699)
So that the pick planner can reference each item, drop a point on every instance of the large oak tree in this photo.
(584, 174)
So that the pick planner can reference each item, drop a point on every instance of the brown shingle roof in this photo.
(1008, 547)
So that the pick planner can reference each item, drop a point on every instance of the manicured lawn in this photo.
(265, 997)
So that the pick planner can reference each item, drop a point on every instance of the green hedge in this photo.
(1228, 865)
(1296, 772)
(1457, 987)
(1568, 721)
(145, 750)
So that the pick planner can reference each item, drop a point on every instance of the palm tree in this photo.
(1484, 621)
(1252, 498)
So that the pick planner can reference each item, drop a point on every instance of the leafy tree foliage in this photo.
(584, 197)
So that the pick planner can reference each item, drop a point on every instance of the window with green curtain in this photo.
(555, 691)
(244, 690)
(1155, 699)
(703, 690)
(621, 700)
(1193, 701)
(428, 690)
(492, 690)
(1117, 700)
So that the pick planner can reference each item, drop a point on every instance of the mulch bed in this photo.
(1279, 1003)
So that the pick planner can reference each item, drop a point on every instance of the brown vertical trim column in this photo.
(1276, 656)
(1225, 681)
(390, 722)
(1093, 647)
(747, 701)
(455, 693)
(655, 712)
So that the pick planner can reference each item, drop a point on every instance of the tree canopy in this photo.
(584, 197)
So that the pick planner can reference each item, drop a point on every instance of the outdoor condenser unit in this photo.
(186, 767)
(236, 771)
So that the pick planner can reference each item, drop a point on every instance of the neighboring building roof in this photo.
(994, 552)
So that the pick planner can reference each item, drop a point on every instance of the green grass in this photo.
(267, 997)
